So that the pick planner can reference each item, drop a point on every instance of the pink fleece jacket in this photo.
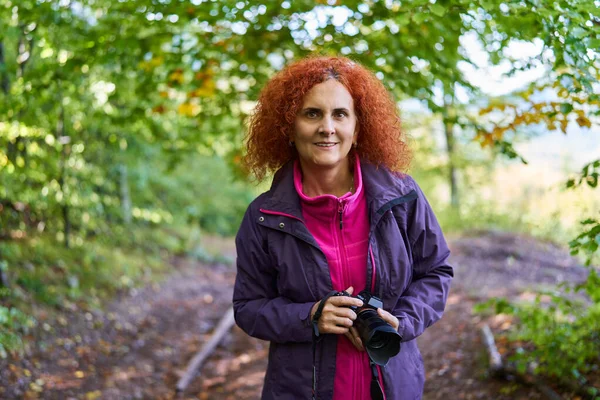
(340, 226)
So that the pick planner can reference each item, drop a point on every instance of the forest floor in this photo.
(141, 344)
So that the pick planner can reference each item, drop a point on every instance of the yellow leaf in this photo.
(176, 76)
(583, 121)
(188, 110)
(485, 110)
(497, 133)
(156, 61)
(79, 374)
(206, 74)
(160, 109)
(563, 125)
(35, 387)
(487, 141)
(151, 64)
(93, 395)
(206, 90)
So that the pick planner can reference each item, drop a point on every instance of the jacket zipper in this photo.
(344, 265)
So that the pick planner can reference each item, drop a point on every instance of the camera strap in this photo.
(376, 389)
(315, 323)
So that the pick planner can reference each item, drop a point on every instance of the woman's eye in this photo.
(311, 114)
(341, 114)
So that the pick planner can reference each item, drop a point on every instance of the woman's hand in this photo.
(389, 318)
(337, 317)
(354, 337)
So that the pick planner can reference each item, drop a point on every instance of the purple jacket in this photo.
(282, 272)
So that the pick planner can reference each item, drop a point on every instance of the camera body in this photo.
(380, 339)
(369, 301)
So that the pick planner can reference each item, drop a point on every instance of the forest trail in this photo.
(140, 346)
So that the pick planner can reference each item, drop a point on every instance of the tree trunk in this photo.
(125, 194)
(3, 278)
(60, 133)
(25, 52)
(4, 82)
(452, 171)
(448, 118)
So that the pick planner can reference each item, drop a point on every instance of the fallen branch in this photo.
(494, 355)
(224, 325)
(498, 369)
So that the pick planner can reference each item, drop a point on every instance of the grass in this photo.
(46, 277)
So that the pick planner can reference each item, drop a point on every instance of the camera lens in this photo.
(380, 339)
(377, 341)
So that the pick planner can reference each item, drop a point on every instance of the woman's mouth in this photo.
(325, 144)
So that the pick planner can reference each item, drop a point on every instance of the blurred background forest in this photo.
(122, 125)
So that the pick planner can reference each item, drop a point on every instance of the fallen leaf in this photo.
(93, 395)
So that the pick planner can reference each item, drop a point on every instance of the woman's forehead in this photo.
(329, 94)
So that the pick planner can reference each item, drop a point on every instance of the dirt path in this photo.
(141, 346)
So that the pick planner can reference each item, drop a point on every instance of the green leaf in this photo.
(566, 108)
(438, 10)
(419, 17)
(595, 43)
(592, 179)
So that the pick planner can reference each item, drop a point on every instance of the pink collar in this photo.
(323, 205)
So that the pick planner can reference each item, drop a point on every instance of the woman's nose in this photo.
(327, 126)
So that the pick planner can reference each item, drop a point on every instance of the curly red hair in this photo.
(381, 139)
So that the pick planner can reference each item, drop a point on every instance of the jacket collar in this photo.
(324, 206)
(381, 187)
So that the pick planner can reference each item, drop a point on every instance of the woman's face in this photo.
(326, 126)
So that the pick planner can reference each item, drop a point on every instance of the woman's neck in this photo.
(334, 181)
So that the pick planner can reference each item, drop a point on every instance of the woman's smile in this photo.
(325, 145)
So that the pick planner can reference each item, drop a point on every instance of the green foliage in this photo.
(588, 175)
(53, 275)
(561, 333)
(44, 274)
(588, 241)
(13, 323)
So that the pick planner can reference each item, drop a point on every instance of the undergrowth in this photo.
(45, 275)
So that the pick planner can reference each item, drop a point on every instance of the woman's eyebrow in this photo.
(313, 108)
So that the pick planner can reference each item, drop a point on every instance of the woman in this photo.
(339, 216)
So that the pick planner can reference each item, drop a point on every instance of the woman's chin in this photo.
(328, 162)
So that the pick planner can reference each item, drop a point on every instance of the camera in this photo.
(380, 339)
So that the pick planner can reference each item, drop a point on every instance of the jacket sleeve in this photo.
(258, 308)
(423, 302)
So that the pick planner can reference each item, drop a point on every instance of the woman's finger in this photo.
(344, 312)
(345, 301)
(326, 327)
(389, 318)
(353, 332)
(352, 339)
(339, 321)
